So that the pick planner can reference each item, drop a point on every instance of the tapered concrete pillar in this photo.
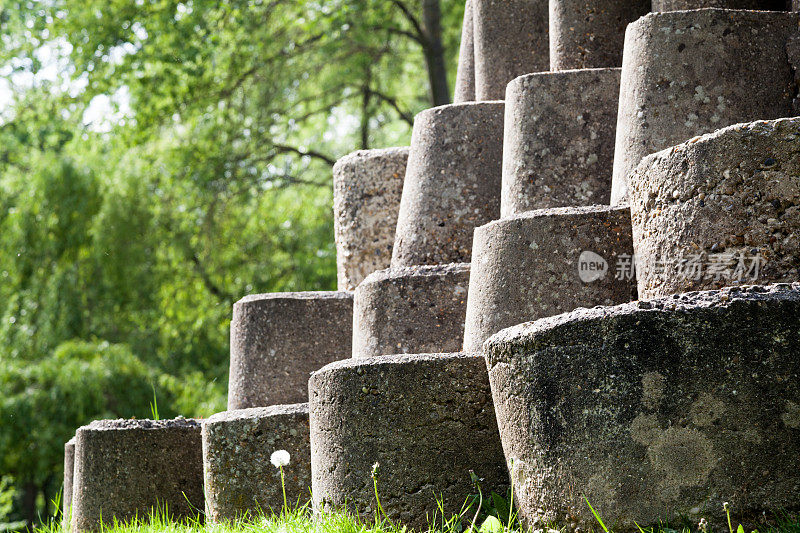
(558, 148)
(719, 210)
(126, 469)
(422, 423)
(547, 262)
(240, 479)
(590, 33)
(465, 75)
(452, 183)
(510, 40)
(366, 198)
(682, 5)
(671, 92)
(658, 410)
(278, 339)
(410, 310)
(69, 466)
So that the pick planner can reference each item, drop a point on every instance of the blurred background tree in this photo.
(159, 160)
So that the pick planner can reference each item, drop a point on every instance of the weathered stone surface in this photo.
(558, 148)
(722, 209)
(590, 33)
(367, 186)
(127, 468)
(671, 92)
(546, 262)
(426, 420)
(240, 480)
(654, 409)
(510, 40)
(410, 310)
(465, 75)
(278, 339)
(69, 466)
(452, 183)
(679, 5)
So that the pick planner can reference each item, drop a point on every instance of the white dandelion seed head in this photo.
(279, 458)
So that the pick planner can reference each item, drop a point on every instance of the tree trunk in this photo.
(434, 52)
(366, 95)
(29, 493)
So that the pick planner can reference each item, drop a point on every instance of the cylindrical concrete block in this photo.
(126, 469)
(465, 75)
(590, 33)
(410, 310)
(558, 148)
(510, 40)
(547, 262)
(240, 480)
(278, 339)
(657, 410)
(69, 466)
(366, 198)
(452, 183)
(424, 421)
(671, 92)
(719, 210)
(682, 5)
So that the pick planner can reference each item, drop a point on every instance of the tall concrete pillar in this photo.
(465, 75)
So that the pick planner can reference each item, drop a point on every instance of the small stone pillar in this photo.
(719, 210)
(671, 92)
(423, 421)
(465, 75)
(452, 183)
(366, 198)
(126, 469)
(590, 33)
(558, 148)
(278, 339)
(683, 5)
(510, 40)
(240, 480)
(69, 466)
(657, 410)
(410, 310)
(546, 262)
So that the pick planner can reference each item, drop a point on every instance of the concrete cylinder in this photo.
(510, 40)
(590, 33)
(126, 469)
(465, 75)
(719, 210)
(278, 339)
(367, 185)
(682, 5)
(558, 148)
(658, 410)
(452, 183)
(671, 92)
(410, 310)
(69, 466)
(240, 480)
(423, 421)
(546, 262)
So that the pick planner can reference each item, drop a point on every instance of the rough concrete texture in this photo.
(654, 409)
(558, 147)
(240, 480)
(547, 262)
(671, 92)
(410, 310)
(69, 465)
(680, 5)
(278, 339)
(722, 209)
(465, 75)
(452, 183)
(510, 40)
(127, 468)
(425, 420)
(366, 198)
(590, 33)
